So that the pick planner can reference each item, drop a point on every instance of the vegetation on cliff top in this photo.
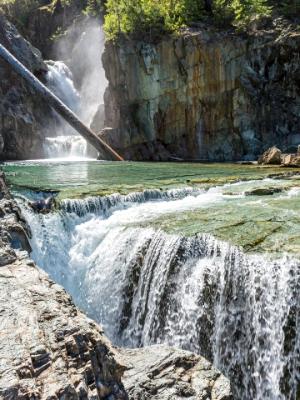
(137, 16)
(152, 17)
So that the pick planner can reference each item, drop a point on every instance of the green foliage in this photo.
(94, 7)
(144, 15)
(137, 16)
(154, 17)
(243, 10)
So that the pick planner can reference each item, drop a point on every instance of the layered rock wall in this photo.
(204, 94)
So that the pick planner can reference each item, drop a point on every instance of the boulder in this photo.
(271, 156)
(263, 191)
(290, 160)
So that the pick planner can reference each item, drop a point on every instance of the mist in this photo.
(78, 78)
(81, 49)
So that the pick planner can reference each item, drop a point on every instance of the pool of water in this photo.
(78, 179)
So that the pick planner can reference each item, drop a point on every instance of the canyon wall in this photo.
(23, 115)
(204, 94)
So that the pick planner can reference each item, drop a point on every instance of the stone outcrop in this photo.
(164, 373)
(204, 94)
(290, 160)
(50, 350)
(23, 116)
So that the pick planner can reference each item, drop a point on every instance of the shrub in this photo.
(136, 16)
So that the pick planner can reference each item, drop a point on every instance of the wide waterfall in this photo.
(145, 286)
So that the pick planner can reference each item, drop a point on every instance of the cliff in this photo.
(23, 116)
(204, 94)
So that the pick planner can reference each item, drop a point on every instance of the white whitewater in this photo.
(67, 143)
(146, 286)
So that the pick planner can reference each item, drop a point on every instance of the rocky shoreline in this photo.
(50, 350)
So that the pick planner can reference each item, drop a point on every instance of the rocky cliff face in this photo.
(204, 94)
(23, 116)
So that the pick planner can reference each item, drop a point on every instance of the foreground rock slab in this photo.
(48, 349)
(164, 373)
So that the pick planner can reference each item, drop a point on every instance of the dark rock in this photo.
(263, 191)
(23, 115)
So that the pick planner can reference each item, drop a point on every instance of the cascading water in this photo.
(86, 63)
(67, 143)
(146, 286)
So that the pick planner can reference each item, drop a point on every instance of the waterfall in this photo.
(67, 143)
(84, 57)
(145, 286)
(60, 81)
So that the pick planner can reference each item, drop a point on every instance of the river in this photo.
(201, 256)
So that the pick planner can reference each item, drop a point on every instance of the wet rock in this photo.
(13, 230)
(263, 191)
(271, 156)
(164, 373)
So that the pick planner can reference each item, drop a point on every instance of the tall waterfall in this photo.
(145, 286)
(85, 62)
(67, 142)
